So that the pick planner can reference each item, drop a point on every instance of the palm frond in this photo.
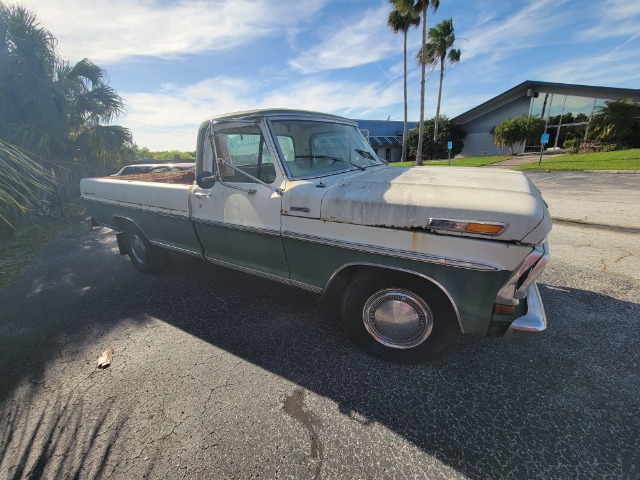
(22, 181)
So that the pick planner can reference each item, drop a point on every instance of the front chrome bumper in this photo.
(527, 327)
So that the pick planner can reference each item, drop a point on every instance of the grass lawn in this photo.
(18, 248)
(456, 162)
(618, 160)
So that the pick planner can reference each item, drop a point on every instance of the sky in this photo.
(176, 63)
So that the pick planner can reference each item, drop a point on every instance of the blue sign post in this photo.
(544, 139)
(449, 147)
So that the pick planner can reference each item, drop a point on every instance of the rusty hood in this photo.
(407, 198)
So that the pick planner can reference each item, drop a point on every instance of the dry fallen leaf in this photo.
(106, 358)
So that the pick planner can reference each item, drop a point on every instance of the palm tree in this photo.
(616, 120)
(29, 113)
(49, 112)
(90, 103)
(439, 50)
(99, 147)
(401, 21)
(420, 7)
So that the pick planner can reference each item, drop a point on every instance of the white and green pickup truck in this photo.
(411, 256)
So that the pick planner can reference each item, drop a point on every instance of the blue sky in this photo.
(179, 62)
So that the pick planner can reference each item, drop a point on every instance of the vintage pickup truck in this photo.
(410, 256)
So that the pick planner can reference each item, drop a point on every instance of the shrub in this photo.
(514, 132)
(597, 146)
(572, 145)
(447, 131)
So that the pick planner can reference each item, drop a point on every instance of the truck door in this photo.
(238, 219)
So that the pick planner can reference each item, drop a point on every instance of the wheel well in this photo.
(123, 224)
(341, 278)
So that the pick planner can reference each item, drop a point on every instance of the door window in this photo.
(244, 147)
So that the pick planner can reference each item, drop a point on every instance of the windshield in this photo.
(313, 149)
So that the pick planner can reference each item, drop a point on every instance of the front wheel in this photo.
(144, 256)
(398, 317)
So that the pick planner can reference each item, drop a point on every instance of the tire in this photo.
(398, 317)
(144, 256)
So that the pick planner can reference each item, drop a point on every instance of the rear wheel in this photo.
(144, 256)
(398, 317)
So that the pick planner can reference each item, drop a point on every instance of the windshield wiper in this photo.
(328, 157)
(370, 156)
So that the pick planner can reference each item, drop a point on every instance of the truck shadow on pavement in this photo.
(564, 406)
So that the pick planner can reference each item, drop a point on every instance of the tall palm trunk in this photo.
(422, 86)
(435, 127)
(403, 158)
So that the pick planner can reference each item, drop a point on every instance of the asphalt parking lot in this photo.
(217, 374)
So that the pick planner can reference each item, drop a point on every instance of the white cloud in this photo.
(620, 66)
(615, 18)
(108, 32)
(168, 118)
(355, 43)
(533, 25)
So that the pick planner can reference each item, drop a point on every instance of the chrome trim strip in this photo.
(526, 328)
(268, 276)
(176, 249)
(133, 206)
(236, 226)
(422, 275)
(392, 252)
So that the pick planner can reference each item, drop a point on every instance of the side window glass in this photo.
(246, 149)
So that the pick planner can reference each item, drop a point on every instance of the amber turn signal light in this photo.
(486, 228)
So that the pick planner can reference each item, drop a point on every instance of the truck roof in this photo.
(277, 112)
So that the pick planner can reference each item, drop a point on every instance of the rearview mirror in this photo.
(205, 180)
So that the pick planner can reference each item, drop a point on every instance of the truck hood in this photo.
(407, 198)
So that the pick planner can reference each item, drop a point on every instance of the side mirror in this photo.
(205, 180)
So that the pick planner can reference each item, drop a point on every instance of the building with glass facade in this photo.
(567, 110)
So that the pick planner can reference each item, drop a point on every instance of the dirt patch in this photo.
(18, 248)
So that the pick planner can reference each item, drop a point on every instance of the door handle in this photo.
(202, 195)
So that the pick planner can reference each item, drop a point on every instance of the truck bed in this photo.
(178, 178)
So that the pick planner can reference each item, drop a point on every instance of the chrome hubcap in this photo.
(138, 249)
(397, 318)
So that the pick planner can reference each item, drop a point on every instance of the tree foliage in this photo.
(437, 149)
(420, 7)
(173, 156)
(515, 132)
(21, 179)
(50, 111)
(440, 51)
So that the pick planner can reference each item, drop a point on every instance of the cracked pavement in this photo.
(217, 374)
